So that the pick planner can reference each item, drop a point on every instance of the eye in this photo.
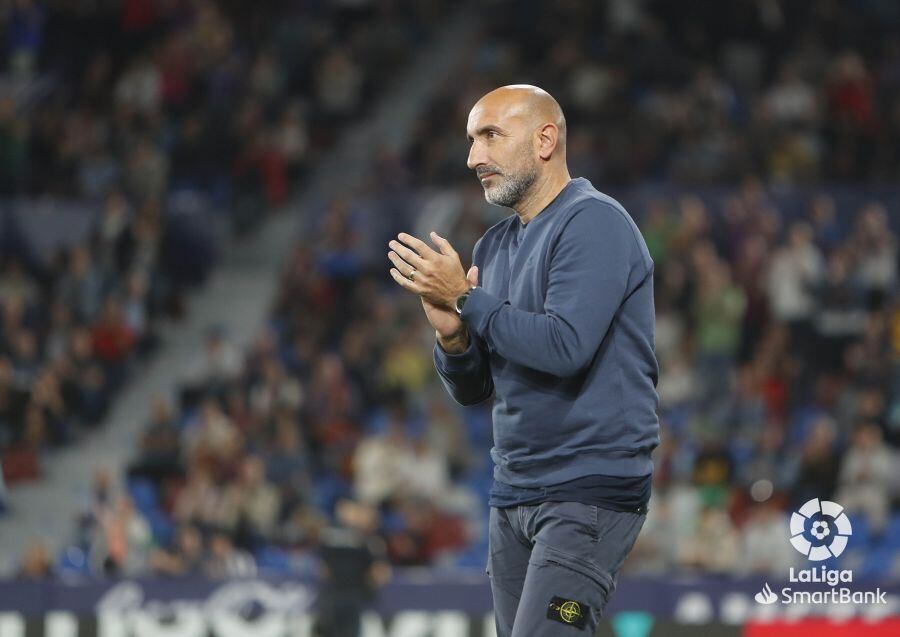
(491, 134)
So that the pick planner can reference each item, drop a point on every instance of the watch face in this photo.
(461, 301)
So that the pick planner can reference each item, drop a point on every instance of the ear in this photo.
(547, 138)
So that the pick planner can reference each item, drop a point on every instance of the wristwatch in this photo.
(461, 300)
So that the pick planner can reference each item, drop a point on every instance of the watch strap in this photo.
(462, 297)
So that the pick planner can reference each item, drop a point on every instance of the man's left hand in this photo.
(437, 276)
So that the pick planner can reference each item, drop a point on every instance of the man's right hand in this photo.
(451, 332)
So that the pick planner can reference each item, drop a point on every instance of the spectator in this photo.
(817, 472)
(113, 337)
(214, 438)
(201, 502)
(184, 557)
(714, 545)
(224, 561)
(160, 447)
(288, 465)
(764, 549)
(378, 464)
(877, 250)
(223, 361)
(866, 475)
(122, 541)
(36, 564)
(720, 305)
(353, 561)
(794, 276)
(842, 317)
(251, 501)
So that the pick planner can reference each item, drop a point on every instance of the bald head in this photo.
(529, 104)
(518, 137)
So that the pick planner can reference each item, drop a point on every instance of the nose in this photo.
(476, 156)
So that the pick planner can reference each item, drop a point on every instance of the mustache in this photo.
(487, 170)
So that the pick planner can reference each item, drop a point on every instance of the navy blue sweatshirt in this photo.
(561, 332)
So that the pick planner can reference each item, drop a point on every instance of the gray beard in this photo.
(511, 191)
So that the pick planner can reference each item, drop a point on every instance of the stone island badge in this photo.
(567, 611)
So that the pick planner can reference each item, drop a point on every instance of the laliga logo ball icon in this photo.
(820, 530)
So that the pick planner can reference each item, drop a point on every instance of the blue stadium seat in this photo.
(474, 556)
(143, 493)
(162, 527)
(891, 537)
(878, 563)
(860, 535)
(392, 522)
(478, 427)
(327, 490)
(273, 560)
(480, 482)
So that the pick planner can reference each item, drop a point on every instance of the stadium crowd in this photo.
(126, 117)
(751, 154)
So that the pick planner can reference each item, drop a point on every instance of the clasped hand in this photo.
(437, 277)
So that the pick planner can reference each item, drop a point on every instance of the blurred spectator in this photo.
(159, 453)
(353, 560)
(446, 437)
(379, 463)
(214, 438)
(425, 533)
(817, 462)
(866, 477)
(720, 305)
(184, 557)
(36, 564)
(877, 250)
(764, 549)
(794, 274)
(714, 546)
(655, 549)
(113, 338)
(223, 361)
(251, 501)
(288, 464)
(224, 561)
(201, 501)
(123, 539)
(842, 316)
(338, 83)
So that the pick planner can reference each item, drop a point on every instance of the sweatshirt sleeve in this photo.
(466, 376)
(591, 267)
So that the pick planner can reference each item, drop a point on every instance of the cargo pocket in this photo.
(543, 554)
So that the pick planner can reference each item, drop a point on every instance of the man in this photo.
(561, 331)
(354, 569)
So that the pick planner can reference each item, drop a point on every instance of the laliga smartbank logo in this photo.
(820, 530)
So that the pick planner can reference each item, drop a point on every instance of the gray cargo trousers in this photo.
(553, 566)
